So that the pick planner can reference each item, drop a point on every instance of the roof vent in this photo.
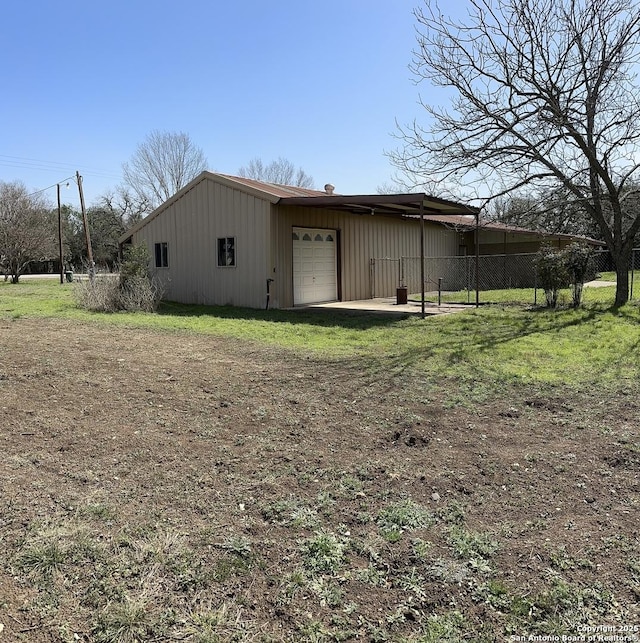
(328, 188)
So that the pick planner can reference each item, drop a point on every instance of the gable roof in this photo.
(274, 189)
(401, 205)
(406, 206)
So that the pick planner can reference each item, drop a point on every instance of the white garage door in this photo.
(314, 266)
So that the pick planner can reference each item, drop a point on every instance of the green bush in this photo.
(552, 273)
(578, 259)
(557, 269)
(135, 264)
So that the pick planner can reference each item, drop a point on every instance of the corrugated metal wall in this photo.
(498, 242)
(361, 237)
(191, 226)
(210, 210)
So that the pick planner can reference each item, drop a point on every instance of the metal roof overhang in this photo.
(409, 206)
(399, 205)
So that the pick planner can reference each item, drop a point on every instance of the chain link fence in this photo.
(495, 273)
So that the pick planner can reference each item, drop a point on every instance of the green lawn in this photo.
(494, 344)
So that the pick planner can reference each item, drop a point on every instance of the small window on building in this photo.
(329, 237)
(319, 237)
(226, 252)
(306, 237)
(295, 236)
(162, 254)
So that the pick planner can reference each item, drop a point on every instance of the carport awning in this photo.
(400, 205)
(406, 206)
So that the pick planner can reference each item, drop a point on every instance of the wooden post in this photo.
(87, 235)
(61, 255)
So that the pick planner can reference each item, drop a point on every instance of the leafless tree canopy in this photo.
(27, 229)
(281, 171)
(543, 96)
(163, 164)
(128, 205)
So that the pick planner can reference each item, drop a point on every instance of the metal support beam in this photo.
(422, 259)
(477, 259)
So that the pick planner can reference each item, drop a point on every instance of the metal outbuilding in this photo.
(225, 240)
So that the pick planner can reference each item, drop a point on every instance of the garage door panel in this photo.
(314, 265)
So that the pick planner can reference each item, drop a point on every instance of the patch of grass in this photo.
(487, 346)
(634, 577)
(372, 576)
(324, 553)
(43, 558)
(97, 510)
(227, 567)
(214, 624)
(126, 622)
(328, 592)
(452, 513)
(402, 516)
(471, 545)
(238, 545)
(414, 583)
(559, 608)
(444, 628)
(448, 571)
(420, 549)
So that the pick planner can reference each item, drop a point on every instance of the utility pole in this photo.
(60, 236)
(92, 265)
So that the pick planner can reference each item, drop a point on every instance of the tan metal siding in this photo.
(362, 237)
(192, 225)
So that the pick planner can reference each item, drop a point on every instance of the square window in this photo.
(226, 252)
(162, 254)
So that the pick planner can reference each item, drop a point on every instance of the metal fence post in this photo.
(633, 265)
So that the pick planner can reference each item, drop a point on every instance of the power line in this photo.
(26, 163)
(69, 178)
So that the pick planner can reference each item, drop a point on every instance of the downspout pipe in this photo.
(268, 293)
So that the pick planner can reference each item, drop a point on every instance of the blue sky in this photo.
(318, 83)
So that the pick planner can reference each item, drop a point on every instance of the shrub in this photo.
(135, 290)
(135, 264)
(558, 269)
(108, 295)
(552, 273)
(578, 259)
(101, 295)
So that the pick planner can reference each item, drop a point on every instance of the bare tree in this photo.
(127, 204)
(552, 212)
(395, 186)
(281, 171)
(544, 95)
(27, 229)
(161, 165)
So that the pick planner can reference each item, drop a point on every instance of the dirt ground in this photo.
(170, 486)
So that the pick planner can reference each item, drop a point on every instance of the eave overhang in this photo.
(398, 205)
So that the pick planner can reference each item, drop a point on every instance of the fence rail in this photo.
(456, 274)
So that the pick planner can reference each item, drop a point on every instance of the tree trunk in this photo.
(622, 262)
